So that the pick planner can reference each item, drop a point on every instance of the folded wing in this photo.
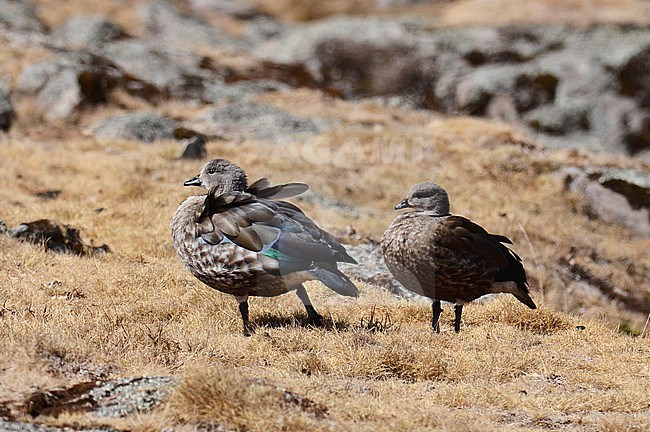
(285, 239)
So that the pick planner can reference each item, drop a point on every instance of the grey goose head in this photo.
(427, 196)
(220, 175)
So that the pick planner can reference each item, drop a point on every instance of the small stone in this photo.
(7, 113)
(194, 148)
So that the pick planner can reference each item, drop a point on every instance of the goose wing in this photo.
(284, 238)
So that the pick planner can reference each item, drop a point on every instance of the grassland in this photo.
(376, 365)
(581, 362)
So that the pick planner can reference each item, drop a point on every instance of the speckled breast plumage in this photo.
(226, 267)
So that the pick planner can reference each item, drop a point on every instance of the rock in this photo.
(637, 134)
(19, 15)
(57, 86)
(633, 184)
(503, 108)
(609, 116)
(173, 72)
(144, 126)
(527, 88)
(7, 114)
(14, 426)
(66, 83)
(241, 9)
(48, 194)
(391, 4)
(87, 31)
(634, 80)
(304, 44)
(589, 86)
(103, 399)
(481, 46)
(166, 25)
(251, 120)
(77, 79)
(53, 236)
(620, 196)
(194, 148)
(263, 28)
(357, 56)
(373, 270)
(559, 120)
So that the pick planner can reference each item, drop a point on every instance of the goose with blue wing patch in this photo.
(245, 241)
(450, 258)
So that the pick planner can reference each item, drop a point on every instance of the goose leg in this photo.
(243, 310)
(437, 310)
(314, 317)
(458, 311)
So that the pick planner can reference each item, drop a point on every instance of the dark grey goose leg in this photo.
(458, 311)
(437, 310)
(243, 310)
(314, 317)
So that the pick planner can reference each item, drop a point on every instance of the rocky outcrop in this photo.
(19, 15)
(246, 119)
(145, 126)
(74, 80)
(7, 113)
(87, 31)
(584, 85)
(620, 196)
(175, 73)
(165, 24)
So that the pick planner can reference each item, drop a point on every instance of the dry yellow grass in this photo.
(376, 365)
(471, 12)
(573, 12)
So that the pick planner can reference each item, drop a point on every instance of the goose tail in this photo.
(336, 281)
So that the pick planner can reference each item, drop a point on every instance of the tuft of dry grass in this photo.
(221, 397)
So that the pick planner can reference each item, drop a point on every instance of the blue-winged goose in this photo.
(446, 257)
(243, 240)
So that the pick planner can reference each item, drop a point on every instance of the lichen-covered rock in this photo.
(165, 24)
(237, 8)
(19, 15)
(65, 83)
(7, 113)
(620, 196)
(246, 119)
(176, 73)
(144, 126)
(589, 86)
(559, 120)
(87, 31)
(15, 426)
(103, 399)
